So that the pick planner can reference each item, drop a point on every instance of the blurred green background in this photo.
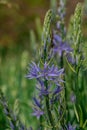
(20, 35)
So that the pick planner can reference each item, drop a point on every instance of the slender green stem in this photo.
(63, 104)
(41, 126)
(50, 117)
(48, 108)
(61, 61)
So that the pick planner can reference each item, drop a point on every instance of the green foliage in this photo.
(2, 119)
(47, 26)
(77, 69)
(75, 36)
(16, 88)
(53, 4)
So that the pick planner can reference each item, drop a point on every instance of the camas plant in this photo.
(50, 105)
(53, 104)
(50, 81)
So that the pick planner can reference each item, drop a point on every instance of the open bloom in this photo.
(49, 79)
(47, 72)
(60, 46)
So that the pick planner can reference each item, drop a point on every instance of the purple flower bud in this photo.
(70, 127)
(57, 90)
(57, 38)
(73, 98)
(62, 47)
(37, 112)
(37, 103)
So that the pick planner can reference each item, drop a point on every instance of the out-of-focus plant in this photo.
(85, 8)
(14, 122)
(11, 77)
(53, 4)
(76, 62)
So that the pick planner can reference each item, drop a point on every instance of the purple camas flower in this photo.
(36, 102)
(55, 95)
(60, 46)
(59, 35)
(57, 39)
(47, 72)
(51, 75)
(41, 88)
(57, 90)
(70, 58)
(37, 112)
(43, 91)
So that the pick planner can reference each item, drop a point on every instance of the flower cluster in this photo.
(61, 9)
(60, 43)
(49, 74)
(59, 46)
(61, 17)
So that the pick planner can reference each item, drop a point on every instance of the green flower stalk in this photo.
(47, 26)
(61, 48)
(77, 60)
(50, 81)
(46, 35)
(61, 19)
(53, 4)
(46, 40)
(77, 33)
(75, 38)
